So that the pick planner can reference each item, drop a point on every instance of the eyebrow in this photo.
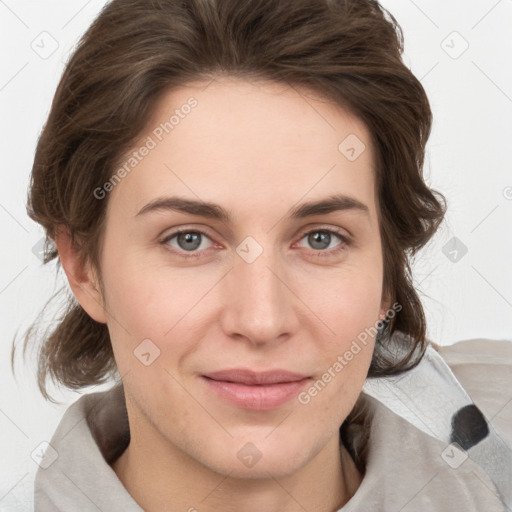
(210, 210)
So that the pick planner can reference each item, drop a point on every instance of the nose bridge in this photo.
(259, 306)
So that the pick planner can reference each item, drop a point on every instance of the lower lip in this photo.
(257, 397)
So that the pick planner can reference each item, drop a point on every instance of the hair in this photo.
(348, 51)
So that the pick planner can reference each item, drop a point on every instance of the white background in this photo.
(468, 159)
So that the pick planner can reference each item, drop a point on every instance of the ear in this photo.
(385, 306)
(82, 279)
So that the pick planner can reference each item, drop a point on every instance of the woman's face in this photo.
(259, 282)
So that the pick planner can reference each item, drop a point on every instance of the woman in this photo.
(280, 362)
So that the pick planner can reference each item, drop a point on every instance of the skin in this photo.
(257, 149)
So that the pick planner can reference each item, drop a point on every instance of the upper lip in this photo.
(247, 376)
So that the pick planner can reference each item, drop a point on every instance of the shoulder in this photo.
(484, 369)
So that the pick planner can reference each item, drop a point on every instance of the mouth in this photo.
(260, 391)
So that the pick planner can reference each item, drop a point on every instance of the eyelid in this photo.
(342, 234)
(164, 240)
(332, 229)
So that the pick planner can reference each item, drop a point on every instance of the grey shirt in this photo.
(406, 469)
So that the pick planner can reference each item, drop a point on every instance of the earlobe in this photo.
(385, 307)
(81, 278)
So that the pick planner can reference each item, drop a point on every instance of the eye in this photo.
(187, 240)
(321, 240)
(193, 242)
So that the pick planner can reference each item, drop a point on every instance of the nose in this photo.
(258, 304)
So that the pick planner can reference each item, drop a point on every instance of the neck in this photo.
(175, 481)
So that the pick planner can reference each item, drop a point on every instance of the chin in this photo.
(251, 462)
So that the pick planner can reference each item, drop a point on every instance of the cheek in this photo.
(349, 309)
(149, 300)
(133, 301)
(138, 291)
(349, 306)
(152, 301)
(349, 300)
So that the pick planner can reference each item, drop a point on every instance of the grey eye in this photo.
(187, 241)
(322, 239)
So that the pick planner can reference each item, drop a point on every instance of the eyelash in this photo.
(345, 242)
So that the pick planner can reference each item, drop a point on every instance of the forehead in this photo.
(248, 144)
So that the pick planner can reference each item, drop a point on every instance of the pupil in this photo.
(187, 238)
(320, 237)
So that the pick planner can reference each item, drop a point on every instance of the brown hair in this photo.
(349, 51)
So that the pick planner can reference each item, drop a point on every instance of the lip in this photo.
(259, 391)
